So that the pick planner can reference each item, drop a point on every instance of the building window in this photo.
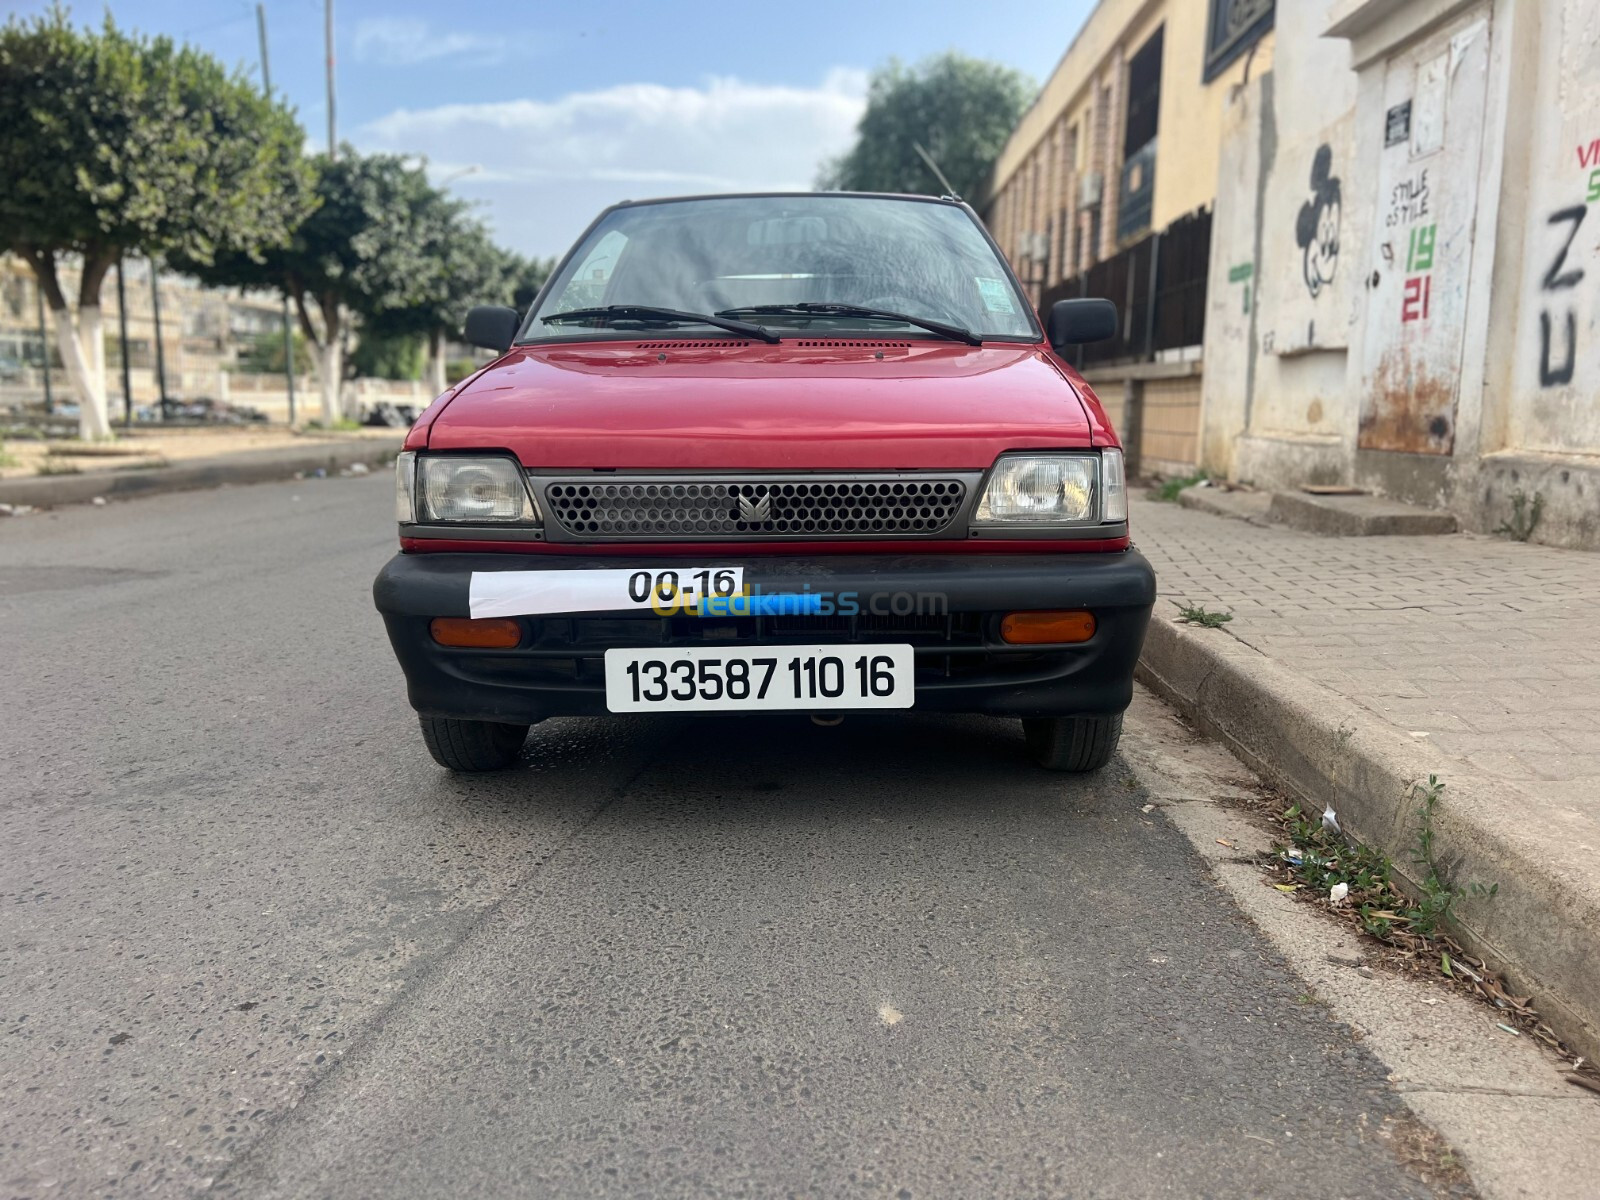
(1137, 185)
(1144, 95)
(1234, 26)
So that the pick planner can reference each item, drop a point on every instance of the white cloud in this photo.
(546, 167)
(406, 41)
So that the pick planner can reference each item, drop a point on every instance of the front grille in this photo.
(817, 506)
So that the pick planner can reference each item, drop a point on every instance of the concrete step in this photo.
(1356, 516)
(1220, 502)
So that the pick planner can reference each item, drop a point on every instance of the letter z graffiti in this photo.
(1558, 279)
(1555, 278)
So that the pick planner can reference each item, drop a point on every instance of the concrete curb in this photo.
(1324, 748)
(252, 466)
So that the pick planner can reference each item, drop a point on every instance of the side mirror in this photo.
(492, 327)
(1073, 322)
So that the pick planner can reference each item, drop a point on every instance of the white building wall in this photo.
(1449, 351)
(1555, 384)
(1284, 218)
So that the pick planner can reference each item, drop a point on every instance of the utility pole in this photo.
(44, 347)
(327, 33)
(122, 331)
(288, 324)
(161, 355)
(333, 153)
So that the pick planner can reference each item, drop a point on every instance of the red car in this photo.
(762, 452)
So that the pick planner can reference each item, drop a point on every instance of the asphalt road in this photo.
(253, 940)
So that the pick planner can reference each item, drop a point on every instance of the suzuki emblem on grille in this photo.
(754, 513)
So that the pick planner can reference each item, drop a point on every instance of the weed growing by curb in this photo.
(1316, 859)
(1167, 491)
(1524, 516)
(8, 459)
(1323, 859)
(50, 468)
(1438, 896)
(1198, 614)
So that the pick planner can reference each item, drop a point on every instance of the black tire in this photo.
(472, 745)
(1072, 743)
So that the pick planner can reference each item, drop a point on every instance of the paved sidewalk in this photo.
(149, 446)
(1353, 665)
(240, 465)
(1490, 648)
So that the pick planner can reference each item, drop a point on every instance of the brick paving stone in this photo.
(1488, 646)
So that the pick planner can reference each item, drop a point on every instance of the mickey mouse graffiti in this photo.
(1317, 227)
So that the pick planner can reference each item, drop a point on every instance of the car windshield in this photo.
(753, 257)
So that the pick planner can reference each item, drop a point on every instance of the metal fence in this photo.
(1158, 285)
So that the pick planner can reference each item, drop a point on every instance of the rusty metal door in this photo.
(1422, 240)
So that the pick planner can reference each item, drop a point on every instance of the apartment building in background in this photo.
(1353, 242)
(1123, 137)
(206, 339)
(204, 334)
(1106, 185)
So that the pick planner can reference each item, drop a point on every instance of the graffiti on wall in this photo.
(1243, 273)
(1556, 369)
(1408, 200)
(1316, 228)
(1589, 160)
(1417, 294)
(1425, 210)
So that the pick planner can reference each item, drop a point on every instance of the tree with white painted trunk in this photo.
(362, 251)
(114, 144)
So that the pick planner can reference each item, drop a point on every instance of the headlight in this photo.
(1041, 489)
(475, 491)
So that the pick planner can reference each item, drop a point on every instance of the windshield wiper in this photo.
(954, 332)
(649, 312)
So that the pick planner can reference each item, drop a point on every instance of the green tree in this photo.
(961, 110)
(112, 143)
(266, 356)
(360, 253)
(381, 355)
(527, 276)
(463, 268)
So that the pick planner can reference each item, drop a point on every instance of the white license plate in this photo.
(533, 593)
(760, 677)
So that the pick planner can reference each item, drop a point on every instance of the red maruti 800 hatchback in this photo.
(765, 452)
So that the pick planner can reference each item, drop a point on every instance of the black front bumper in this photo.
(953, 605)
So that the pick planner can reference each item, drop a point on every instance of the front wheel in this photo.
(472, 745)
(1072, 743)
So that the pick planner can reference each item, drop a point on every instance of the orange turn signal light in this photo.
(1035, 628)
(483, 633)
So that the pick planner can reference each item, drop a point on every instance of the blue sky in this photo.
(563, 108)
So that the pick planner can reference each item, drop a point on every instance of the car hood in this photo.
(751, 406)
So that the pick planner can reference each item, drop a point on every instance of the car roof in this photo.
(952, 201)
